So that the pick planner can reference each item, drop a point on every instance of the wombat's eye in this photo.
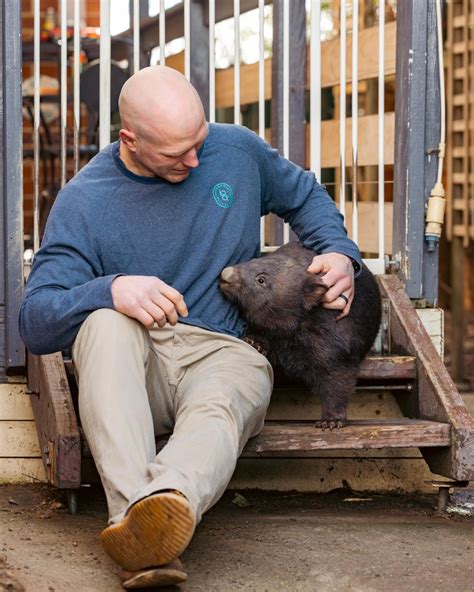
(261, 280)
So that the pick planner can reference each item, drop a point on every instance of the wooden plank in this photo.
(388, 368)
(368, 221)
(18, 439)
(56, 424)
(438, 398)
(21, 470)
(278, 438)
(367, 145)
(15, 404)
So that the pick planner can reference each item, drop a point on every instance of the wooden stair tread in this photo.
(372, 368)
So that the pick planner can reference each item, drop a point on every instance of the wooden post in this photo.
(200, 51)
(457, 309)
(12, 351)
(417, 138)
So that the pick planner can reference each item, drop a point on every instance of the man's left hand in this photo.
(338, 273)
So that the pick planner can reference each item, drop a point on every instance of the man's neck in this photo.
(130, 163)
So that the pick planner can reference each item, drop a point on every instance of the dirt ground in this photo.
(338, 542)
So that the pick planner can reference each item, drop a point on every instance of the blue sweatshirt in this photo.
(108, 221)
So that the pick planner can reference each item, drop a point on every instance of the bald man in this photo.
(127, 275)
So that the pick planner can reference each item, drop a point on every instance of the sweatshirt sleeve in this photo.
(66, 282)
(294, 194)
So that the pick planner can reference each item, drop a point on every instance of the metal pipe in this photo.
(342, 111)
(286, 94)
(104, 70)
(261, 91)
(381, 122)
(237, 61)
(136, 36)
(315, 89)
(355, 116)
(63, 117)
(212, 61)
(162, 33)
(36, 122)
(76, 88)
(187, 39)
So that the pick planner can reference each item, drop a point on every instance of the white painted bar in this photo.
(315, 89)
(355, 116)
(76, 83)
(381, 109)
(237, 61)
(104, 103)
(342, 111)
(187, 39)
(162, 33)
(261, 68)
(286, 94)
(63, 90)
(261, 91)
(136, 36)
(36, 122)
(212, 61)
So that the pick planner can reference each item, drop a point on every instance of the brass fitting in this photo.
(435, 216)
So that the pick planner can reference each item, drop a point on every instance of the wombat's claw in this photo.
(330, 424)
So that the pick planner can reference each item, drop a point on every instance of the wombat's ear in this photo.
(313, 290)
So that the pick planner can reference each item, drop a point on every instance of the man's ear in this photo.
(313, 290)
(128, 138)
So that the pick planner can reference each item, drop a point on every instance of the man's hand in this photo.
(338, 274)
(148, 299)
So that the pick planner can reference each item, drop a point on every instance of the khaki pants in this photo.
(211, 390)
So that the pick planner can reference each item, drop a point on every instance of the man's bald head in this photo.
(158, 101)
(163, 124)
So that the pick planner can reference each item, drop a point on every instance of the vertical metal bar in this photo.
(136, 35)
(63, 90)
(212, 58)
(187, 39)
(36, 121)
(76, 88)
(261, 91)
(315, 88)
(355, 116)
(381, 116)
(104, 103)
(261, 68)
(286, 94)
(11, 195)
(342, 110)
(162, 33)
(237, 61)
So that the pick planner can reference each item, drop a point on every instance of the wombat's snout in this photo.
(227, 273)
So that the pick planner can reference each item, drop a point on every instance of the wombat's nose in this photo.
(226, 274)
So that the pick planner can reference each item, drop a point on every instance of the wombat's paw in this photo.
(330, 424)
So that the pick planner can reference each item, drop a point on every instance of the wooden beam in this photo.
(438, 398)
(56, 423)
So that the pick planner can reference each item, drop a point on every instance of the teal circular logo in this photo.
(222, 194)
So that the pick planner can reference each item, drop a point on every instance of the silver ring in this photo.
(344, 297)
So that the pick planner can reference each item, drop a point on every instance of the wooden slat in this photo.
(280, 438)
(18, 439)
(14, 403)
(368, 221)
(388, 368)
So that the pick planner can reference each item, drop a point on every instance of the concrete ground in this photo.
(333, 542)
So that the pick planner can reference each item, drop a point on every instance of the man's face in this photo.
(170, 158)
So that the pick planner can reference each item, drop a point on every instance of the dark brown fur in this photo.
(281, 301)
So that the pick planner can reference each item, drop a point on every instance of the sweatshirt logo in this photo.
(222, 194)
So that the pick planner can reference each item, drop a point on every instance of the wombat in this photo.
(282, 303)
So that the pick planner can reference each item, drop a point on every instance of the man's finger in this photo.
(343, 286)
(175, 297)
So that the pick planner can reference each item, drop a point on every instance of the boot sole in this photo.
(154, 531)
(155, 577)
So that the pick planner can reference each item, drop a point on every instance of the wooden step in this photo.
(287, 438)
